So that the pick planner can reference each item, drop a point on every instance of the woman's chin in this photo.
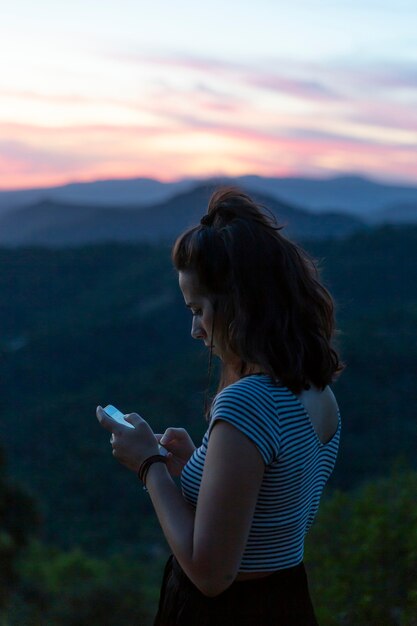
(214, 350)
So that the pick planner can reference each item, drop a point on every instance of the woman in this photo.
(251, 490)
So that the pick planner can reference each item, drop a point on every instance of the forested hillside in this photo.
(107, 324)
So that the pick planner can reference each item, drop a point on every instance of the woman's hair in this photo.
(270, 303)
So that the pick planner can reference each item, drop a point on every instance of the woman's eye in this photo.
(196, 312)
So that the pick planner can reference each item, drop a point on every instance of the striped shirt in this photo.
(297, 466)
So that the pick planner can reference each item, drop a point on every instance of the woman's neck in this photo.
(234, 372)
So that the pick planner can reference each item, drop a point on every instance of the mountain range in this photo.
(57, 224)
(150, 210)
(346, 194)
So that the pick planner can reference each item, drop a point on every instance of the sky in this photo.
(103, 89)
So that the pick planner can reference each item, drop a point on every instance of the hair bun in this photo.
(207, 220)
(228, 204)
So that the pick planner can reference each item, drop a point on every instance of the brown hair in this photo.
(272, 307)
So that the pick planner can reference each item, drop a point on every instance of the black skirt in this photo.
(280, 599)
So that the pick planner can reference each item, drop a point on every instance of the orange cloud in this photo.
(35, 156)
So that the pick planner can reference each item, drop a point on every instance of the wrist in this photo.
(156, 472)
(147, 464)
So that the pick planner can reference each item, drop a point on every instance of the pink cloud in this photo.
(254, 76)
(353, 79)
(388, 75)
(37, 132)
(250, 140)
(325, 81)
(304, 89)
(400, 115)
(35, 156)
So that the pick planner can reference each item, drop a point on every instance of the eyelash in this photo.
(198, 312)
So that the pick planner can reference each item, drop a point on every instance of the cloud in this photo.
(388, 75)
(31, 156)
(312, 135)
(353, 77)
(60, 100)
(45, 97)
(252, 75)
(212, 117)
(381, 137)
(181, 61)
(303, 89)
(34, 133)
(34, 155)
(386, 115)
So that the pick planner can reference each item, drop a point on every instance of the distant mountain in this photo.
(354, 195)
(348, 194)
(405, 213)
(105, 193)
(57, 224)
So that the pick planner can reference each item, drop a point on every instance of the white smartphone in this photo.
(116, 415)
(119, 417)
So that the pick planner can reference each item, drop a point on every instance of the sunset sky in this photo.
(121, 88)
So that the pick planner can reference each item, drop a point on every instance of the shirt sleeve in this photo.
(252, 411)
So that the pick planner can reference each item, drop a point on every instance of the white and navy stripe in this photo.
(297, 466)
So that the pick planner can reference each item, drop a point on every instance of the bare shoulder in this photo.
(323, 411)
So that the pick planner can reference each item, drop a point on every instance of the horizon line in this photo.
(395, 181)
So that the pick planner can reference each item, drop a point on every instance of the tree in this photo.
(19, 520)
(71, 588)
(362, 555)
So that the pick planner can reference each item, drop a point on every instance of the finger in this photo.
(134, 419)
(167, 437)
(106, 421)
(170, 435)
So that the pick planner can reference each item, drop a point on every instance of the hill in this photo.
(54, 224)
(129, 192)
(353, 195)
(107, 324)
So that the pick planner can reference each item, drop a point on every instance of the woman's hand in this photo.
(131, 446)
(180, 447)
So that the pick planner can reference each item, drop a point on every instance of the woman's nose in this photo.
(197, 332)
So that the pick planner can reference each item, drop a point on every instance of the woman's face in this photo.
(202, 310)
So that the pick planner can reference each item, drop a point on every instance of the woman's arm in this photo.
(209, 542)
